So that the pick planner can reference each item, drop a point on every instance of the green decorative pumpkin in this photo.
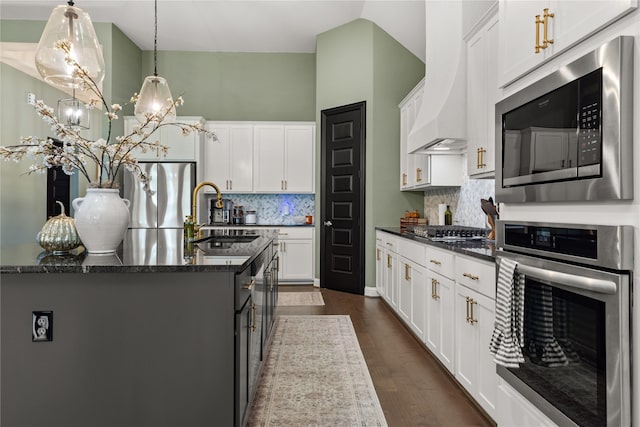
(59, 234)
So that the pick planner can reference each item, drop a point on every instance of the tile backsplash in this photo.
(274, 209)
(464, 202)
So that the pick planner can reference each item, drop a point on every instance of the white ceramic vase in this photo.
(102, 217)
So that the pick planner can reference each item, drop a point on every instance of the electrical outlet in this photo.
(41, 326)
(31, 98)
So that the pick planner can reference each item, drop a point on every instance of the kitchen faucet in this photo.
(194, 208)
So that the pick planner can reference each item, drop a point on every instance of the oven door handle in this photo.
(595, 285)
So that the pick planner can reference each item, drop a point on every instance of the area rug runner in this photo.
(300, 298)
(315, 375)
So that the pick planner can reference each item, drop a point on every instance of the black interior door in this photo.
(342, 200)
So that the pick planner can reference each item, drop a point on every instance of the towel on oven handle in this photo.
(507, 339)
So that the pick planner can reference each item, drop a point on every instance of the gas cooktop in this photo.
(448, 233)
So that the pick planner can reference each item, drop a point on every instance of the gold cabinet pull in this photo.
(277, 263)
(418, 175)
(472, 320)
(538, 23)
(404, 179)
(481, 163)
(249, 285)
(546, 40)
(468, 309)
(434, 261)
(253, 320)
(470, 276)
(388, 261)
(377, 254)
(434, 289)
(407, 272)
(230, 184)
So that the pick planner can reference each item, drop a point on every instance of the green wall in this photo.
(360, 62)
(239, 86)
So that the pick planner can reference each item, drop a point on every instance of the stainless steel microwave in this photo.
(569, 136)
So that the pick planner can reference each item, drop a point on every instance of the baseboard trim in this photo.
(370, 291)
(316, 283)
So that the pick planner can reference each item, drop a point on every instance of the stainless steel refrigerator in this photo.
(158, 218)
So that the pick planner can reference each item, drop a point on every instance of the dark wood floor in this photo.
(413, 388)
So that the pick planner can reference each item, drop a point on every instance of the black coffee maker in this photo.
(220, 216)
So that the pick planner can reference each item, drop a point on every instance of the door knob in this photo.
(328, 223)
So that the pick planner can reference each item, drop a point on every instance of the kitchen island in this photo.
(158, 334)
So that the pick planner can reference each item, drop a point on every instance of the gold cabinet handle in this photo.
(388, 261)
(546, 40)
(407, 272)
(277, 263)
(249, 285)
(230, 184)
(377, 254)
(434, 289)
(472, 320)
(434, 261)
(481, 164)
(418, 175)
(470, 276)
(468, 309)
(253, 320)
(538, 22)
(404, 179)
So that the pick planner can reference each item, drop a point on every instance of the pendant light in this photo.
(73, 113)
(155, 97)
(72, 24)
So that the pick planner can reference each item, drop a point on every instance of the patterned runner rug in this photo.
(315, 375)
(300, 298)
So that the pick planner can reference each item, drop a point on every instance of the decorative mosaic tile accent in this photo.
(464, 201)
(275, 209)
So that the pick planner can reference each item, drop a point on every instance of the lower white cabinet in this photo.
(514, 410)
(440, 333)
(448, 301)
(474, 366)
(296, 251)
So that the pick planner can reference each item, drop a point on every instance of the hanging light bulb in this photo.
(72, 24)
(155, 97)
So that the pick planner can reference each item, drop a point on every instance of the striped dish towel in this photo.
(507, 338)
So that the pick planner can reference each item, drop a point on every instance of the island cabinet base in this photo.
(144, 349)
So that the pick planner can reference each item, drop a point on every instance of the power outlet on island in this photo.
(41, 326)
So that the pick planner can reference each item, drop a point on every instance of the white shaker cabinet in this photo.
(229, 161)
(411, 285)
(531, 35)
(296, 252)
(482, 94)
(380, 265)
(439, 336)
(182, 148)
(474, 323)
(284, 158)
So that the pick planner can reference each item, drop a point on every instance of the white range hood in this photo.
(441, 123)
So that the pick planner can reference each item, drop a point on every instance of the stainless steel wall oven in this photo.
(577, 319)
(569, 136)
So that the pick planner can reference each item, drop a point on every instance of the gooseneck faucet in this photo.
(194, 207)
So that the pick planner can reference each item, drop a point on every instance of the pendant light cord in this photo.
(155, 40)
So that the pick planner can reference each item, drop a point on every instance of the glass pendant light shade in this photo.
(155, 99)
(73, 25)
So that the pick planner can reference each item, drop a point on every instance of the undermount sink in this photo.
(215, 240)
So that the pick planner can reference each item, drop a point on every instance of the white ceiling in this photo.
(240, 25)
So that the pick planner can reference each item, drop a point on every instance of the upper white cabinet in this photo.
(532, 32)
(284, 158)
(421, 171)
(410, 164)
(482, 94)
(229, 160)
(181, 147)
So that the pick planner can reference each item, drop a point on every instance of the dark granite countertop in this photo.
(481, 249)
(147, 251)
